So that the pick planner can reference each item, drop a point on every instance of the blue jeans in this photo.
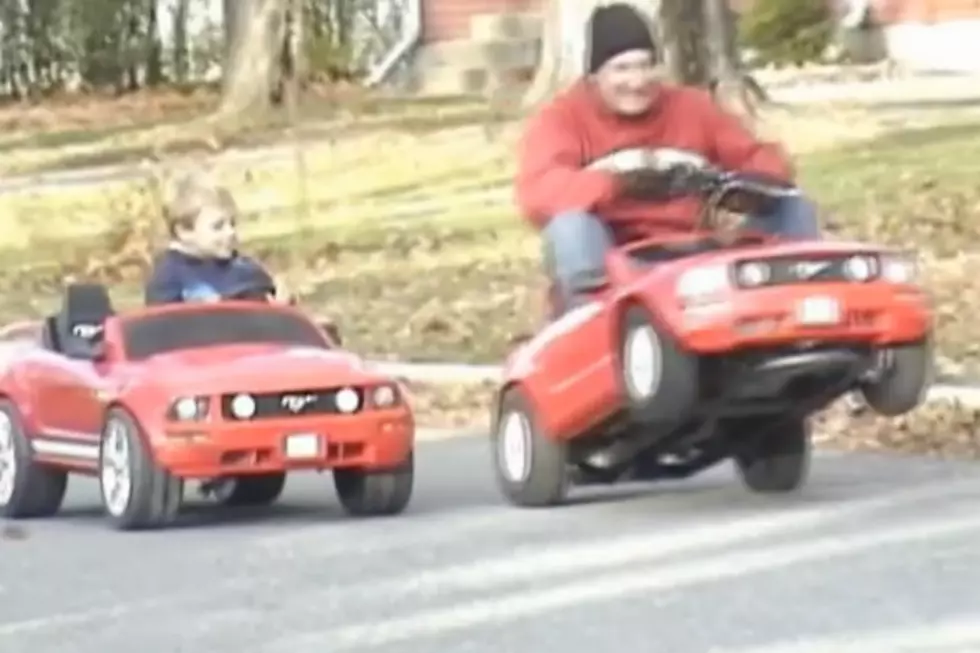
(575, 243)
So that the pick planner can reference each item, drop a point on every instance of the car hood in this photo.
(803, 249)
(217, 370)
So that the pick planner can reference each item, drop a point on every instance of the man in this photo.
(620, 104)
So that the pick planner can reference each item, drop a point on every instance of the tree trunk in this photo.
(154, 49)
(685, 50)
(731, 85)
(564, 46)
(181, 65)
(252, 67)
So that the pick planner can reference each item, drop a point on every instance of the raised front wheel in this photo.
(659, 380)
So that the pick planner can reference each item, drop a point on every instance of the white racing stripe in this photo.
(49, 447)
(494, 612)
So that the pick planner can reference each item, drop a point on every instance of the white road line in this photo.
(637, 580)
(491, 574)
(962, 633)
(591, 557)
(420, 530)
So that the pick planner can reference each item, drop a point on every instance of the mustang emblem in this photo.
(296, 403)
(809, 269)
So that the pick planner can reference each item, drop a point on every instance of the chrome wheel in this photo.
(515, 447)
(643, 362)
(116, 472)
(8, 459)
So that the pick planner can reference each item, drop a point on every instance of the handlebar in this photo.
(715, 185)
(699, 177)
(250, 292)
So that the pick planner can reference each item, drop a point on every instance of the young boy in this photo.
(202, 262)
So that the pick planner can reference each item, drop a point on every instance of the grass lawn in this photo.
(413, 246)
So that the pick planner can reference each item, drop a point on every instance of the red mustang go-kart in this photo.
(700, 349)
(235, 394)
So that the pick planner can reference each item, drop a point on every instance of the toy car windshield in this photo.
(210, 325)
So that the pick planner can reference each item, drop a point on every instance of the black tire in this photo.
(257, 490)
(904, 380)
(154, 495)
(772, 455)
(34, 490)
(543, 479)
(669, 395)
(375, 494)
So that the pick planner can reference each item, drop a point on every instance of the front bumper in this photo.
(877, 316)
(375, 440)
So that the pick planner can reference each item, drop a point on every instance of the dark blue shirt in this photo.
(180, 277)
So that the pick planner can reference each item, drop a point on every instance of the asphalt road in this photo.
(875, 552)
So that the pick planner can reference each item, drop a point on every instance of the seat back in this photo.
(80, 323)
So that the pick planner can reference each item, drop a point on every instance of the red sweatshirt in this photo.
(575, 129)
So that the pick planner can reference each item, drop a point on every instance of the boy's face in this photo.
(213, 235)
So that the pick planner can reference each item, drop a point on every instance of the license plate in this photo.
(303, 445)
(818, 310)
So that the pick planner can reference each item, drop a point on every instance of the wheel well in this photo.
(498, 401)
(115, 404)
(526, 395)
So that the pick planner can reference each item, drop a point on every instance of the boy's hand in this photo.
(282, 294)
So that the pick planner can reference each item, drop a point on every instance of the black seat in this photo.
(78, 325)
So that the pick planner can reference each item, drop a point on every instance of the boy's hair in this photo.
(190, 193)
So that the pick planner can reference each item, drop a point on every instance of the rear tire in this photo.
(659, 381)
(137, 494)
(28, 489)
(253, 490)
(531, 469)
(904, 381)
(772, 455)
(374, 494)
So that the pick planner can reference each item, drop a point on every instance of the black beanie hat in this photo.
(614, 29)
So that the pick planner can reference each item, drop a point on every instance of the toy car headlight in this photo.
(754, 273)
(384, 396)
(188, 409)
(860, 268)
(700, 282)
(242, 406)
(899, 269)
(347, 400)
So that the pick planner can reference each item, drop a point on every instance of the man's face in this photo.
(628, 83)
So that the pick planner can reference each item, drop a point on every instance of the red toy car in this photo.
(235, 393)
(701, 349)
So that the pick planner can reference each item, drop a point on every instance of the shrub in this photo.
(787, 31)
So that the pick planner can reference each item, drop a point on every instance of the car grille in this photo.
(790, 271)
(294, 403)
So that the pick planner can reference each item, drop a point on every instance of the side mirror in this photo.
(332, 331)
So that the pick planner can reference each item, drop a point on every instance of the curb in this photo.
(963, 393)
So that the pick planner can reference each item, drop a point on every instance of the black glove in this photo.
(753, 202)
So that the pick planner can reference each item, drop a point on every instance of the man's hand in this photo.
(282, 295)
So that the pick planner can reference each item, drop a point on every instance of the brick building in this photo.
(465, 44)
